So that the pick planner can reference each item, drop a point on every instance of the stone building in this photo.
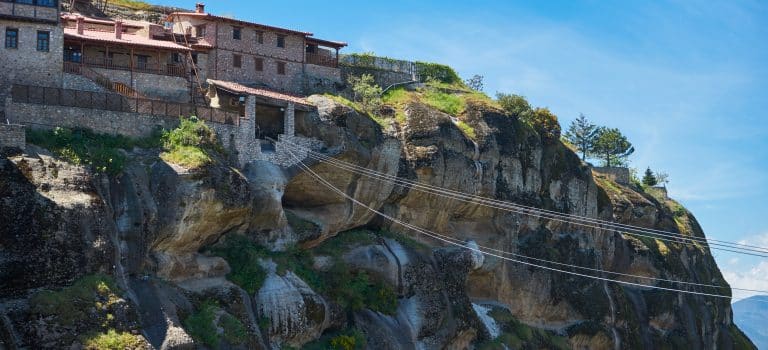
(32, 45)
(256, 54)
(129, 57)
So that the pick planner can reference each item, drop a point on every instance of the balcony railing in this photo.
(321, 60)
(175, 70)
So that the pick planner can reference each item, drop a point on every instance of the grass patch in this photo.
(191, 144)
(113, 340)
(444, 102)
(132, 4)
(345, 340)
(467, 129)
(337, 245)
(72, 305)
(83, 147)
(383, 122)
(234, 330)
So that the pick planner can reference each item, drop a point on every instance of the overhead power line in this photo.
(560, 217)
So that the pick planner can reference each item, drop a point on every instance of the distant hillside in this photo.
(751, 315)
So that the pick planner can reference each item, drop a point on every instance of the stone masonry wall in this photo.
(321, 79)
(12, 135)
(155, 86)
(102, 121)
(619, 175)
(385, 71)
(79, 82)
(26, 65)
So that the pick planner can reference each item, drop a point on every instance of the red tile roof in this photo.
(237, 21)
(126, 39)
(242, 89)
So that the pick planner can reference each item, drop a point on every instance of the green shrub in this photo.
(190, 144)
(243, 256)
(343, 342)
(200, 325)
(84, 147)
(234, 330)
(71, 305)
(545, 123)
(348, 339)
(112, 340)
(367, 93)
(440, 72)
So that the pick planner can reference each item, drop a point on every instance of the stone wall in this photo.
(26, 65)
(322, 79)
(99, 120)
(37, 13)
(619, 175)
(164, 87)
(79, 82)
(385, 71)
(12, 135)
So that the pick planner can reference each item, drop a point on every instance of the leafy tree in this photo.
(612, 146)
(582, 134)
(545, 123)
(366, 92)
(515, 105)
(475, 83)
(649, 179)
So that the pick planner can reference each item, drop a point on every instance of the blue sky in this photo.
(686, 81)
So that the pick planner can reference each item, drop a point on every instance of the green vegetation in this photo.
(475, 82)
(582, 135)
(345, 340)
(444, 102)
(517, 335)
(112, 340)
(612, 146)
(84, 147)
(204, 326)
(200, 325)
(649, 179)
(439, 72)
(191, 144)
(541, 119)
(243, 257)
(366, 92)
(384, 123)
(72, 305)
(132, 4)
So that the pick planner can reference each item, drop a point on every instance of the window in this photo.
(281, 41)
(260, 37)
(142, 62)
(43, 41)
(200, 31)
(11, 38)
(48, 3)
(281, 68)
(194, 57)
(237, 61)
(176, 57)
(237, 33)
(259, 64)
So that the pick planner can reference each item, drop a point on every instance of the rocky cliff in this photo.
(264, 257)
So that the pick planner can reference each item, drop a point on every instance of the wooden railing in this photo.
(321, 60)
(119, 103)
(175, 70)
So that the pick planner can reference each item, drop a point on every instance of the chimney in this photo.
(200, 7)
(118, 29)
(80, 25)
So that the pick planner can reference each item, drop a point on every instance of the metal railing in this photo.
(119, 103)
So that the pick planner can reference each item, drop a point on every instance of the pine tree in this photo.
(649, 179)
(612, 146)
(582, 134)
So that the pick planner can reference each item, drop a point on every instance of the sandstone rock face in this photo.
(154, 228)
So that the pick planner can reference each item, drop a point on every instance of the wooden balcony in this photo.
(174, 70)
(322, 60)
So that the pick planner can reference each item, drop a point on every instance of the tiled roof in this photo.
(242, 89)
(244, 23)
(126, 39)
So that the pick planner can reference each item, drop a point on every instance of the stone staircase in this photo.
(103, 81)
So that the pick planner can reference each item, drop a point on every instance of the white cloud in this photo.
(756, 240)
(756, 279)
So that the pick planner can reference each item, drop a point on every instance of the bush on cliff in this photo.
(191, 144)
(84, 147)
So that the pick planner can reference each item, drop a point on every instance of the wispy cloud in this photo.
(756, 278)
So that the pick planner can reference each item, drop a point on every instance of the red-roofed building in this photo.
(258, 54)
(139, 58)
